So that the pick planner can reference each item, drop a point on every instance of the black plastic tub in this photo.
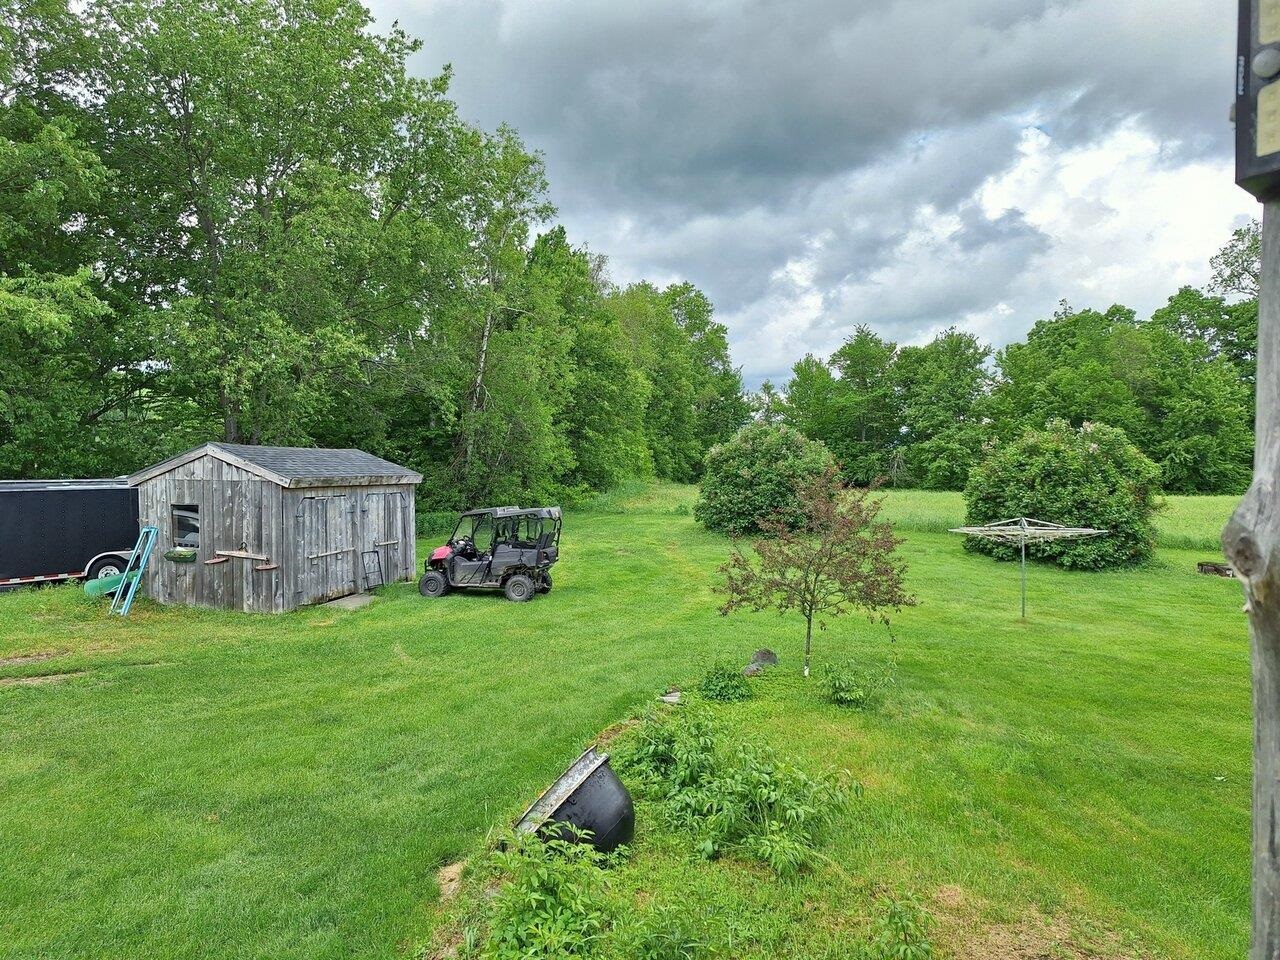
(587, 804)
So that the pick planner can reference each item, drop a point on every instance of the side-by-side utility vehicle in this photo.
(505, 548)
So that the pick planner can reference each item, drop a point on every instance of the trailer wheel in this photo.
(518, 588)
(105, 567)
(433, 584)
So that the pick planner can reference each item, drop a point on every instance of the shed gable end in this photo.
(209, 462)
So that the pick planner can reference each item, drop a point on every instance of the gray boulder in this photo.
(765, 657)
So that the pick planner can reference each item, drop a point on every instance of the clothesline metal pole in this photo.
(1023, 538)
(1022, 530)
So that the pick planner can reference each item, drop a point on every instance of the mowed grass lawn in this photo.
(223, 785)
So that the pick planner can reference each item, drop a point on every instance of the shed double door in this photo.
(327, 562)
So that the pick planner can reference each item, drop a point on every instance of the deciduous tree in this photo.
(840, 557)
(289, 203)
(869, 409)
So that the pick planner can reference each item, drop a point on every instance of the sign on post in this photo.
(1257, 106)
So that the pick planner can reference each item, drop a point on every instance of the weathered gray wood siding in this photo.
(344, 537)
(238, 511)
(322, 542)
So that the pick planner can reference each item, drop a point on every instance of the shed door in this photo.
(383, 536)
(326, 565)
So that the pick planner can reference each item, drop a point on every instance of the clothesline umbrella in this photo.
(1024, 530)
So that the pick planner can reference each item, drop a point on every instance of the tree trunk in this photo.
(230, 419)
(1252, 543)
(478, 383)
(808, 643)
(473, 398)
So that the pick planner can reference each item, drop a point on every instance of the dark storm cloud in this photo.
(724, 140)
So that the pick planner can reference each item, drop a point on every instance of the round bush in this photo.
(752, 477)
(1087, 477)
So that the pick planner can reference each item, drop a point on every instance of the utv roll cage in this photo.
(503, 532)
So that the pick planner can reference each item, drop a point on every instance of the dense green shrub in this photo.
(554, 898)
(553, 902)
(733, 798)
(753, 477)
(858, 685)
(1090, 476)
(724, 683)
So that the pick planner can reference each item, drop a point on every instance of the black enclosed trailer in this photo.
(62, 529)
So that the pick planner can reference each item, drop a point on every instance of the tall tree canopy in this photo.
(683, 356)
(908, 415)
(245, 219)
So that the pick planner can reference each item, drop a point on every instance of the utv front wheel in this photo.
(519, 588)
(433, 584)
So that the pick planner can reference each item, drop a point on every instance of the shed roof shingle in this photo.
(306, 463)
(297, 466)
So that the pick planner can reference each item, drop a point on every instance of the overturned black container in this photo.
(587, 804)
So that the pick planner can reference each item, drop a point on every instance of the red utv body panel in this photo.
(441, 553)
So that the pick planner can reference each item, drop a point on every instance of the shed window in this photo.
(186, 524)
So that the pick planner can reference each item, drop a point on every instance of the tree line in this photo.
(246, 220)
(1179, 384)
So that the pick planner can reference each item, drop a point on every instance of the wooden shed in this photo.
(276, 528)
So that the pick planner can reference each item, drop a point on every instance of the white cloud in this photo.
(1112, 220)
(818, 164)
(1124, 224)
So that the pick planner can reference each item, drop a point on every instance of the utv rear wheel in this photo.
(518, 588)
(433, 584)
(545, 585)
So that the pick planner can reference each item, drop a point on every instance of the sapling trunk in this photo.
(808, 643)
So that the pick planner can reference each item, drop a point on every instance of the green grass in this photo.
(247, 786)
(1194, 523)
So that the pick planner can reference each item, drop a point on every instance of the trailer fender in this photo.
(106, 564)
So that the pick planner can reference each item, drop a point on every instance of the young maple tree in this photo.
(839, 558)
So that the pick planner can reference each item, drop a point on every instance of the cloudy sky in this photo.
(909, 164)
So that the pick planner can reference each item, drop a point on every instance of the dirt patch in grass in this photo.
(44, 678)
(23, 659)
(1033, 937)
(613, 732)
(950, 897)
(450, 879)
(448, 949)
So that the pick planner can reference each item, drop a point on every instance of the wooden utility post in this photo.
(1252, 538)
(1252, 544)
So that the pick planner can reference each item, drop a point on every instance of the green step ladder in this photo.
(122, 599)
